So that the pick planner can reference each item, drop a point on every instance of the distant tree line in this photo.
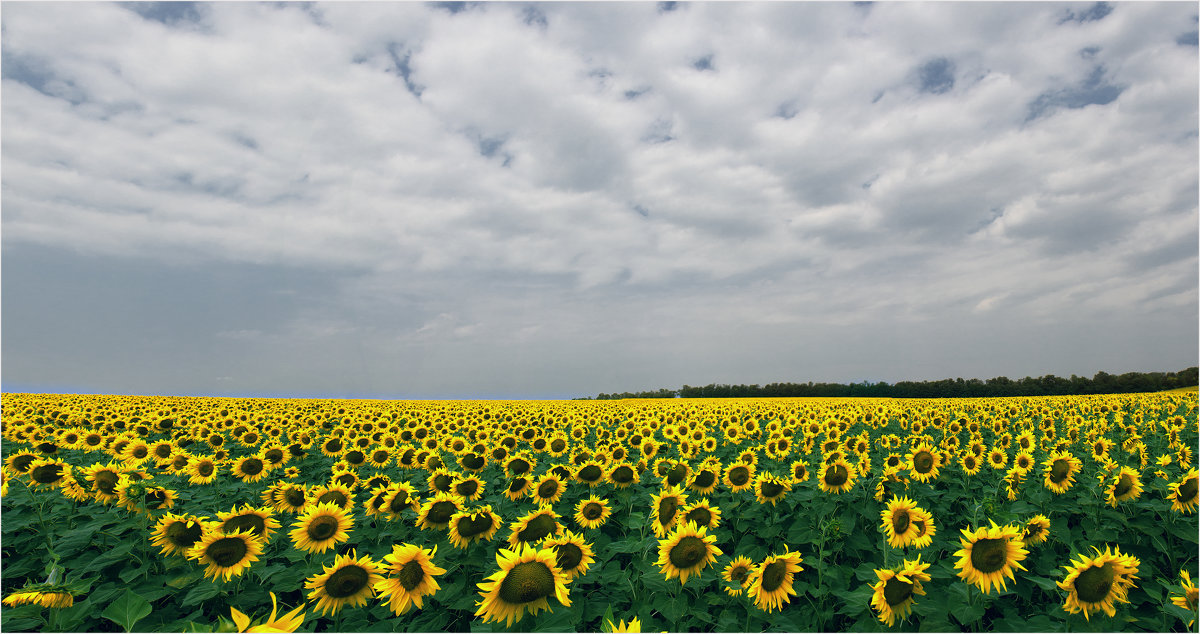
(1049, 385)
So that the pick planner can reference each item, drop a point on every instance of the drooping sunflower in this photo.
(573, 554)
(924, 463)
(664, 509)
(1188, 598)
(737, 572)
(702, 513)
(321, 527)
(1061, 468)
(1095, 583)
(769, 488)
(527, 577)
(686, 552)
(990, 554)
(20, 461)
(47, 595)
(259, 522)
(739, 476)
(1037, 529)
(350, 580)
(1183, 493)
(225, 554)
(518, 488)
(923, 523)
(472, 525)
(837, 477)
(533, 526)
(436, 512)
(894, 593)
(897, 521)
(592, 512)
(410, 577)
(772, 580)
(175, 534)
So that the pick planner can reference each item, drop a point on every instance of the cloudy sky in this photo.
(558, 199)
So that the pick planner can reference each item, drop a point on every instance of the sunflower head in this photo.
(410, 577)
(990, 554)
(771, 581)
(225, 554)
(573, 555)
(592, 512)
(686, 552)
(350, 580)
(321, 527)
(534, 526)
(738, 573)
(528, 576)
(894, 593)
(471, 525)
(1096, 583)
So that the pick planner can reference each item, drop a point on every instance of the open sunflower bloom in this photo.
(528, 576)
(1095, 583)
(988, 555)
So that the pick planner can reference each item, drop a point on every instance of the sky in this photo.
(553, 200)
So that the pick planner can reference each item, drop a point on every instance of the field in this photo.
(203, 514)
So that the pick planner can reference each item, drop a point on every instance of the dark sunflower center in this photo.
(441, 512)
(294, 497)
(920, 527)
(739, 476)
(900, 521)
(355, 457)
(467, 488)
(689, 552)
(666, 510)
(205, 469)
(477, 525)
(253, 523)
(1187, 490)
(183, 534)
(677, 474)
(333, 446)
(347, 582)
(517, 485)
(569, 556)
(592, 510)
(547, 489)
(398, 503)
(252, 466)
(800, 473)
(923, 462)
(346, 479)
(155, 498)
(590, 473)
(163, 451)
(703, 480)
(773, 576)
(989, 555)
(47, 473)
(739, 574)
(1059, 470)
(1033, 530)
(773, 489)
(106, 481)
(179, 462)
(527, 581)
(411, 575)
(227, 551)
(518, 466)
(557, 445)
(274, 456)
(1123, 485)
(337, 497)
(140, 452)
(472, 461)
(624, 475)
(893, 461)
(835, 475)
(93, 440)
(442, 482)
(322, 528)
(897, 591)
(537, 528)
(1092, 585)
(701, 516)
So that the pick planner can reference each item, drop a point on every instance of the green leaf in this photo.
(1045, 584)
(200, 593)
(185, 579)
(127, 610)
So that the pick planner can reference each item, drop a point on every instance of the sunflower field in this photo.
(125, 513)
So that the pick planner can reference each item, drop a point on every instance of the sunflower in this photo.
(769, 488)
(1061, 468)
(441, 481)
(592, 512)
(997, 458)
(970, 463)
(533, 526)
(548, 489)
(48, 472)
(1024, 461)
(771, 581)
(47, 595)
(737, 572)
(1037, 529)
(289, 622)
(1125, 486)
(1188, 598)
(893, 597)
(471, 525)
(837, 477)
(1096, 582)
(225, 554)
(925, 529)
(436, 512)
(706, 478)
(739, 476)
(800, 472)
(321, 527)
(527, 577)
(897, 521)
(175, 534)
(402, 497)
(338, 494)
(686, 551)
(468, 487)
(573, 554)
(702, 514)
(1183, 493)
(990, 554)
(351, 580)
(664, 509)
(924, 463)
(258, 521)
(590, 473)
(410, 577)
(622, 475)
(291, 497)
(204, 470)
(250, 468)
(678, 472)
(519, 464)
